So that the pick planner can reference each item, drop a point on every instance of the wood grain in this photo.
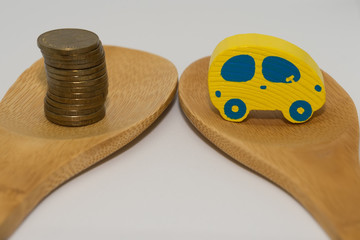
(37, 155)
(316, 162)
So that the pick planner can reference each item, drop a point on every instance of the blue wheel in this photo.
(300, 111)
(235, 109)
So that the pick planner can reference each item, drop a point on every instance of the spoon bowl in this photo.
(316, 162)
(37, 156)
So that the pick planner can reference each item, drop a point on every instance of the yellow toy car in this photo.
(259, 72)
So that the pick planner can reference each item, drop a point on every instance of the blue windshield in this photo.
(240, 68)
(277, 69)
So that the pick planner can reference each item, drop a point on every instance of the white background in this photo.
(170, 183)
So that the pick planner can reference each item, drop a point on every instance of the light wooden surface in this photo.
(316, 162)
(37, 156)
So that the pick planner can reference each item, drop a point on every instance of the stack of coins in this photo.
(76, 75)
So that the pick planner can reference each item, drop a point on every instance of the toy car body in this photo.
(259, 72)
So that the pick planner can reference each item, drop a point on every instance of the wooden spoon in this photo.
(317, 162)
(37, 155)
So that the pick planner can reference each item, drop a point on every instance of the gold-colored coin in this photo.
(75, 65)
(67, 106)
(79, 95)
(70, 112)
(68, 118)
(94, 54)
(52, 62)
(68, 41)
(76, 78)
(57, 59)
(75, 72)
(86, 89)
(76, 101)
(67, 84)
(77, 123)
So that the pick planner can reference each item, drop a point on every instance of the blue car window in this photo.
(277, 69)
(240, 68)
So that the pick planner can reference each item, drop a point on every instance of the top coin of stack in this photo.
(76, 75)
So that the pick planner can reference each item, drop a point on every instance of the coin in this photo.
(75, 65)
(74, 118)
(52, 62)
(76, 101)
(68, 41)
(86, 89)
(73, 60)
(76, 78)
(79, 95)
(76, 123)
(66, 84)
(75, 72)
(94, 54)
(73, 106)
(70, 112)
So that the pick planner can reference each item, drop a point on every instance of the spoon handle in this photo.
(326, 180)
(30, 168)
(22, 178)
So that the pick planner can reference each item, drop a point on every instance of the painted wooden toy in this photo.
(259, 72)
